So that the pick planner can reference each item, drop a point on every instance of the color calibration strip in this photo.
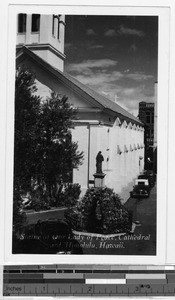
(55, 280)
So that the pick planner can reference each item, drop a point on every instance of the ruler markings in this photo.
(53, 289)
(98, 289)
(88, 289)
(38, 280)
(169, 288)
(157, 288)
(111, 289)
(76, 289)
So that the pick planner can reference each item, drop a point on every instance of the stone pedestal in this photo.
(99, 181)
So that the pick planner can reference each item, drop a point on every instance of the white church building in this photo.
(102, 125)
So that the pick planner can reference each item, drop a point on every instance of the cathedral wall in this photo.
(54, 84)
(119, 142)
(81, 135)
(120, 168)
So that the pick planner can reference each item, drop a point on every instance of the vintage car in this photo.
(150, 175)
(141, 188)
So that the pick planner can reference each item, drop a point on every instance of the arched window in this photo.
(35, 22)
(22, 23)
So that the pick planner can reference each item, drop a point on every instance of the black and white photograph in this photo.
(85, 134)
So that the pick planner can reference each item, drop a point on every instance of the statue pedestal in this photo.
(99, 180)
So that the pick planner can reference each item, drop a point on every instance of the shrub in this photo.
(19, 217)
(73, 218)
(40, 200)
(69, 195)
(99, 211)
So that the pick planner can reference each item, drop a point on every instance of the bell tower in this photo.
(44, 35)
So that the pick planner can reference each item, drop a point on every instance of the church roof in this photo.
(96, 97)
(105, 102)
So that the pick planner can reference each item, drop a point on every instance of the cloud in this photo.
(96, 47)
(90, 32)
(99, 79)
(91, 64)
(139, 76)
(126, 32)
(102, 76)
(127, 97)
(110, 33)
(129, 91)
(129, 31)
(100, 71)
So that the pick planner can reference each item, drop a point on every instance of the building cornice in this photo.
(43, 47)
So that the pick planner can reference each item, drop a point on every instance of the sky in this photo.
(114, 55)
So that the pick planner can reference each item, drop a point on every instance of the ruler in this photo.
(88, 280)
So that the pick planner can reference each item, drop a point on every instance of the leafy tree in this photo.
(57, 154)
(27, 109)
(19, 217)
(44, 153)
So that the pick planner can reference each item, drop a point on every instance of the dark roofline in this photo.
(105, 102)
(99, 99)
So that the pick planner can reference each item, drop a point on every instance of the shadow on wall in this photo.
(125, 192)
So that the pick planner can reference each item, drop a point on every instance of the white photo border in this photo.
(122, 8)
